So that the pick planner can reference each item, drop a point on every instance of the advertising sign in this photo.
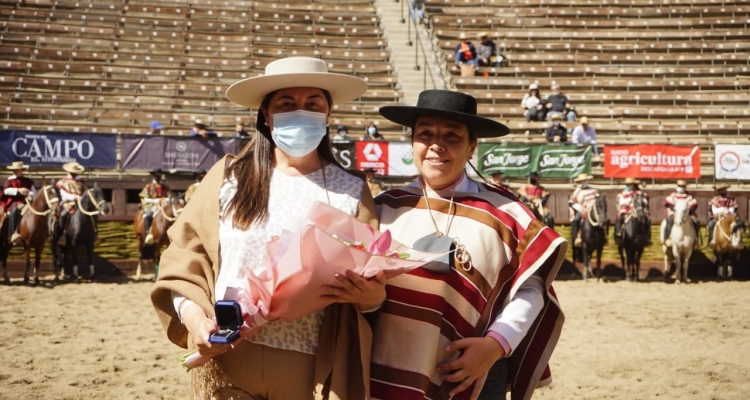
(519, 160)
(732, 162)
(174, 153)
(652, 161)
(37, 148)
(344, 153)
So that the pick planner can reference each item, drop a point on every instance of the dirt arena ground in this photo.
(621, 341)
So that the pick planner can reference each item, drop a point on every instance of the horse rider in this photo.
(581, 201)
(197, 177)
(15, 192)
(625, 203)
(151, 197)
(497, 179)
(71, 189)
(721, 204)
(535, 194)
(680, 194)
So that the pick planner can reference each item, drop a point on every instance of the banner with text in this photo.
(732, 162)
(652, 161)
(519, 160)
(387, 158)
(38, 148)
(344, 153)
(174, 153)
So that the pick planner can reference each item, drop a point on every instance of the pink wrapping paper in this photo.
(300, 262)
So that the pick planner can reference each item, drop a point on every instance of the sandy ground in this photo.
(621, 341)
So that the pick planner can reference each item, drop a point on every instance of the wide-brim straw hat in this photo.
(447, 104)
(584, 120)
(295, 72)
(681, 182)
(583, 177)
(73, 168)
(17, 165)
(632, 181)
(722, 186)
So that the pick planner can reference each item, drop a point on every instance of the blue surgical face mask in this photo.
(584, 185)
(298, 133)
(628, 187)
(556, 123)
(371, 130)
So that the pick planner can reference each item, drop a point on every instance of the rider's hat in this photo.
(631, 181)
(73, 168)
(682, 183)
(156, 171)
(583, 177)
(720, 186)
(17, 165)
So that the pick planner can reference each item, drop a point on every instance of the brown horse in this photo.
(34, 228)
(167, 212)
(728, 240)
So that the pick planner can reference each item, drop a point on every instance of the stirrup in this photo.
(149, 239)
(15, 238)
(578, 242)
(668, 242)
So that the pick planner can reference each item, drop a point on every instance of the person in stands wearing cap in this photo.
(536, 196)
(557, 133)
(532, 103)
(465, 52)
(581, 202)
(497, 179)
(375, 187)
(241, 204)
(453, 327)
(200, 129)
(722, 203)
(487, 53)
(151, 197)
(197, 177)
(585, 134)
(16, 190)
(240, 132)
(71, 188)
(558, 104)
(155, 128)
(342, 134)
(669, 202)
(625, 204)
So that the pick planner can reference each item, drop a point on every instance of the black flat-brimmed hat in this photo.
(455, 106)
(156, 171)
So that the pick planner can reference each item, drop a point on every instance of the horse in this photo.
(540, 211)
(633, 238)
(34, 229)
(81, 230)
(169, 210)
(594, 229)
(728, 240)
(683, 237)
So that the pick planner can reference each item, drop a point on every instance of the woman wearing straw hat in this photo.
(680, 194)
(240, 205)
(581, 201)
(16, 189)
(624, 202)
(446, 328)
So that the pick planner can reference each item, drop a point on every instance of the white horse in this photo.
(683, 236)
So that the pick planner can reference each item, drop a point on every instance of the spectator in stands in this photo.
(201, 130)
(240, 132)
(241, 204)
(155, 128)
(487, 52)
(465, 51)
(557, 133)
(625, 205)
(371, 132)
(721, 204)
(680, 194)
(16, 189)
(342, 134)
(497, 179)
(558, 104)
(585, 134)
(532, 103)
(375, 187)
(581, 201)
(151, 197)
(197, 177)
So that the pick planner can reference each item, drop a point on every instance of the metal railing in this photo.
(419, 48)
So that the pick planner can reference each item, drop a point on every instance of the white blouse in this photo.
(288, 200)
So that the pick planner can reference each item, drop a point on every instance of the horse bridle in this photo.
(97, 205)
(45, 190)
(176, 212)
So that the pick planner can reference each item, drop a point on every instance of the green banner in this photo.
(519, 160)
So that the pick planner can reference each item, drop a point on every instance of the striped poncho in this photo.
(425, 311)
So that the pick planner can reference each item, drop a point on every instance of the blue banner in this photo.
(38, 148)
(174, 152)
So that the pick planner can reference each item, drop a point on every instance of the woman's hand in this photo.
(201, 327)
(479, 355)
(366, 293)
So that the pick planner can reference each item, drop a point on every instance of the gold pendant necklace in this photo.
(461, 255)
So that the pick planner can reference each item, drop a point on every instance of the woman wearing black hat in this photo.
(446, 328)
